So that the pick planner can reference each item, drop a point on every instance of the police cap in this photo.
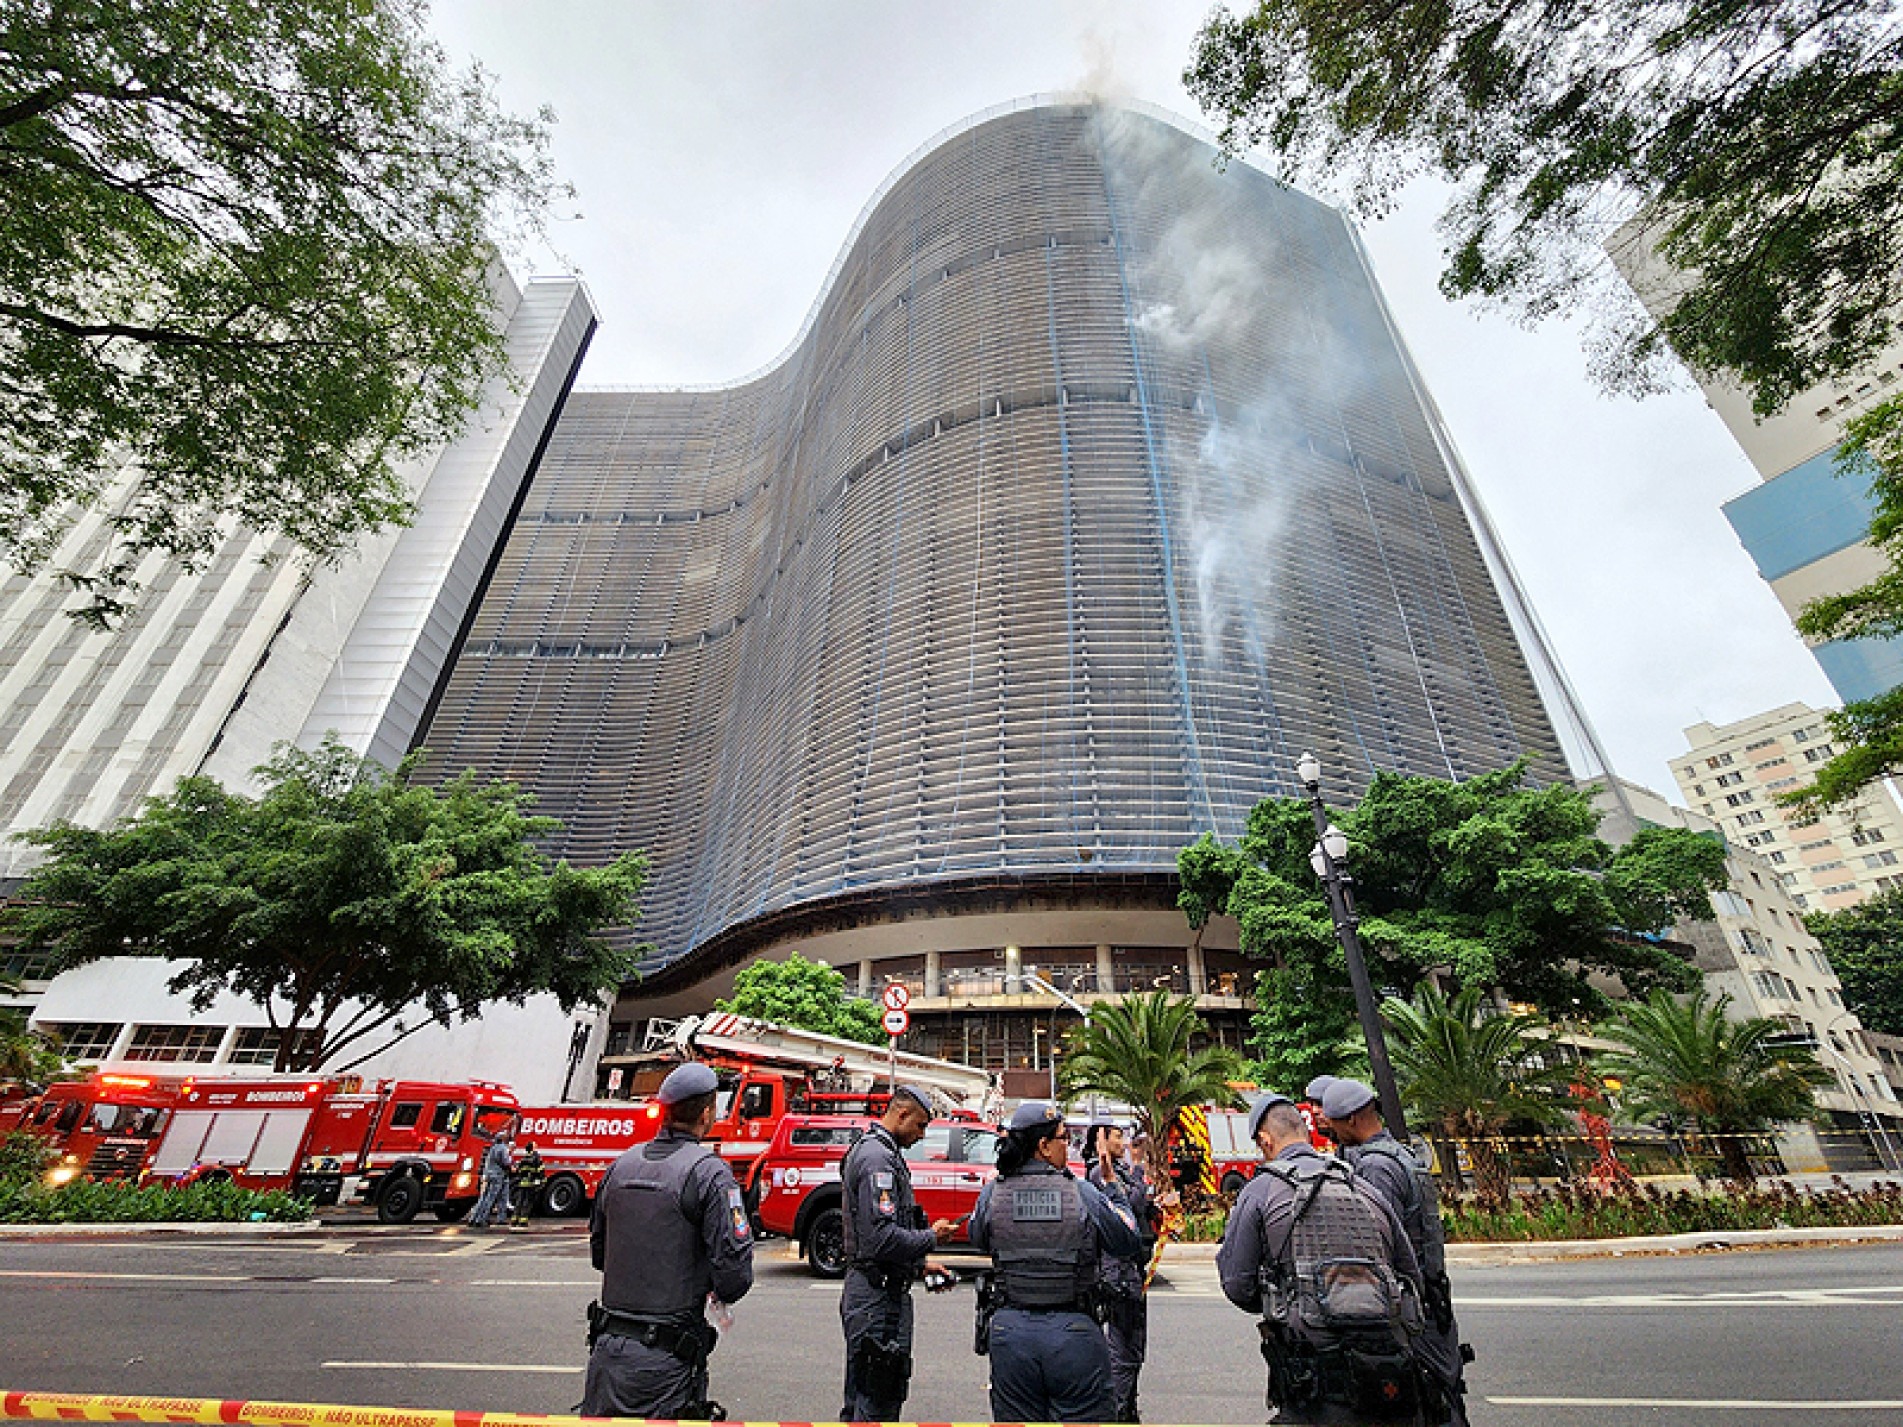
(684, 1082)
(1262, 1107)
(1035, 1115)
(917, 1094)
(1317, 1088)
(1344, 1098)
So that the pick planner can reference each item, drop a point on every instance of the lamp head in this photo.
(1309, 769)
(1336, 841)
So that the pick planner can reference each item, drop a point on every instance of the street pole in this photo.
(1328, 863)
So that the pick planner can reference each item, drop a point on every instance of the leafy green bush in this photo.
(1568, 1212)
(26, 1198)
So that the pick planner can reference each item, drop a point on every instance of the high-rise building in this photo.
(216, 667)
(1096, 489)
(1734, 773)
(1805, 527)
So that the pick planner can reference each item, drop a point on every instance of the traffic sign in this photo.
(896, 997)
(896, 1020)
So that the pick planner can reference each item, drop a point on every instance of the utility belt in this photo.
(689, 1339)
(1376, 1378)
(1092, 1304)
(891, 1278)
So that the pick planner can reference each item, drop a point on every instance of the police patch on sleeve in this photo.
(881, 1180)
(886, 1206)
(737, 1209)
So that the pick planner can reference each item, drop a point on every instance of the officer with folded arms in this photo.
(669, 1231)
(1048, 1233)
(1321, 1257)
(1353, 1118)
(886, 1245)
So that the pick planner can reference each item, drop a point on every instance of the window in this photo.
(1802, 735)
(811, 1135)
(1773, 763)
(17, 965)
(1836, 999)
(1723, 760)
(1761, 743)
(1730, 780)
(405, 1116)
(1813, 846)
(1777, 783)
(980, 1147)
(1840, 888)
(756, 1102)
(1828, 866)
(1864, 836)
(84, 1040)
(1738, 800)
(936, 1145)
(1753, 942)
(1776, 856)
(448, 1119)
(196, 1044)
(1818, 754)
(1729, 904)
(1886, 858)
(258, 1045)
(1759, 839)
(68, 1116)
(1750, 819)
(1698, 790)
(1801, 900)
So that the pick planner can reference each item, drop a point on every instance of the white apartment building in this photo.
(1734, 774)
(1757, 951)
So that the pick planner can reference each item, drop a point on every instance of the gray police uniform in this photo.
(886, 1242)
(1047, 1235)
(1391, 1169)
(1126, 1309)
(1260, 1237)
(669, 1227)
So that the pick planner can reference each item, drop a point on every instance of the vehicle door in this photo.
(400, 1135)
(934, 1174)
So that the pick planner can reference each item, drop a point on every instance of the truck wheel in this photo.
(563, 1197)
(1232, 1182)
(399, 1199)
(826, 1243)
(450, 1213)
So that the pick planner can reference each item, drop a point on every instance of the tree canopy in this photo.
(807, 994)
(1493, 882)
(354, 905)
(244, 269)
(1865, 947)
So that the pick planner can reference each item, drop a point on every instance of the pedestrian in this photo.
(492, 1202)
(1047, 1234)
(1353, 1118)
(886, 1246)
(525, 1185)
(1126, 1304)
(671, 1237)
(1321, 1257)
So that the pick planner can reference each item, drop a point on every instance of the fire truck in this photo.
(766, 1071)
(410, 1144)
(103, 1125)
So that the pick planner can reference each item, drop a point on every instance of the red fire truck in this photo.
(104, 1124)
(410, 1144)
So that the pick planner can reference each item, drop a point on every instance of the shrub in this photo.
(25, 1197)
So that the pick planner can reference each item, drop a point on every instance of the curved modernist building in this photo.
(1097, 488)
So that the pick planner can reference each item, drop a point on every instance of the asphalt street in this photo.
(451, 1317)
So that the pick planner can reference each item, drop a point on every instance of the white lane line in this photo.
(567, 1369)
(1814, 1299)
(126, 1277)
(1709, 1404)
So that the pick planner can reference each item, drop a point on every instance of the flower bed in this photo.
(26, 1197)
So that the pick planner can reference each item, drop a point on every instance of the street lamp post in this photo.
(1329, 859)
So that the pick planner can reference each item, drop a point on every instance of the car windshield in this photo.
(935, 1145)
(980, 1147)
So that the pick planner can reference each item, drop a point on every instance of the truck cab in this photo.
(426, 1146)
(105, 1125)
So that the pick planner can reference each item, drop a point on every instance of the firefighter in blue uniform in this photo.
(886, 1245)
(669, 1230)
(1048, 1234)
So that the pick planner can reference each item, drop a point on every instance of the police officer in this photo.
(1047, 1234)
(1353, 1118)
(1321, 1257)
(669, 1229)
(886, 1245)
(1126, 1307)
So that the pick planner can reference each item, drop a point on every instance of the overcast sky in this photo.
(722, 151)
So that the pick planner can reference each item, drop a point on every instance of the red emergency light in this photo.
(128, 1082)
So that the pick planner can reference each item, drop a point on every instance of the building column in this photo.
(122, 1042)
(226, 1046)
(1198, 976)
(865, 976)
(933, 962)
(1106, 970)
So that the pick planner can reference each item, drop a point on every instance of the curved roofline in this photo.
(1074, 99)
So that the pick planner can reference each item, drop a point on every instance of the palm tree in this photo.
(1689, 1060)
(1469, 1071)
(1137, 1050)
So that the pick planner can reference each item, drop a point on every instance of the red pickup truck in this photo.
(794, 1188)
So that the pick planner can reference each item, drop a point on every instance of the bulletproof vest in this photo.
(1044, 1251)
(1334, 1279)
(885, 1157)
(654, 1262)
(1420, 1216)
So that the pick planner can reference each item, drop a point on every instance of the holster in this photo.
(883, 1369)
(1440, 1300)
(893, 1279)
(690, 1341)
(1294, 1371)
(987, 1309)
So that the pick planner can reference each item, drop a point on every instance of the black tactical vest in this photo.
(654, 1263)
(1333, 1278)
(1044, 1250)
(1420, 1216)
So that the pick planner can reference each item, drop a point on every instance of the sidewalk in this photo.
(1485, 1255)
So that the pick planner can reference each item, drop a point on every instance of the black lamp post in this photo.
(1329, 859)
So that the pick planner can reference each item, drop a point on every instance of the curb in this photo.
(1559, 1250)
(87, 1231)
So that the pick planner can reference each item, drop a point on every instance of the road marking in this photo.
(568, 1369)
(133, 1277)
(1709, 1404)
(349, 1280)
(1774, 1298)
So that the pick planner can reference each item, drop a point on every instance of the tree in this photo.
(244, 269)
(1865, 947)
(1489, 881)
(808, 994)
(1758, 147)
(1471, 1071)
(1689, 1061)
(345, 900)
(27, 1057)
(1137, 1050)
